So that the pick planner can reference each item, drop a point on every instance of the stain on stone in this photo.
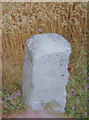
(62, 75)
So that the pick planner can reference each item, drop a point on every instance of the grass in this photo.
(76, 106)
(76, 88)
(12, 100)
(21, 22)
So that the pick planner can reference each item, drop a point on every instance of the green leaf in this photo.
(70, 115)
(72, 112)
(83, 52)
(77, 101)
(78, 111)
(12, 108)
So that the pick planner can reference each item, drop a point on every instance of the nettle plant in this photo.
(11, 101)
(46, 106)
(49, 106)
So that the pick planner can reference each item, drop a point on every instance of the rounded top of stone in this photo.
(48, 43)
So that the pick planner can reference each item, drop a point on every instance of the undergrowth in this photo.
(76, 106)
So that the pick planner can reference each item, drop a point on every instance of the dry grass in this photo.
(0, 59)
(44, 0)
(23, 20)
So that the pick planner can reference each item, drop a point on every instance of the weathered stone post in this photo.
(45, 71)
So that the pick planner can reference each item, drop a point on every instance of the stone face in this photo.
(45, 71)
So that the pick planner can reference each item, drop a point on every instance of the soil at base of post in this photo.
(34, 114)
